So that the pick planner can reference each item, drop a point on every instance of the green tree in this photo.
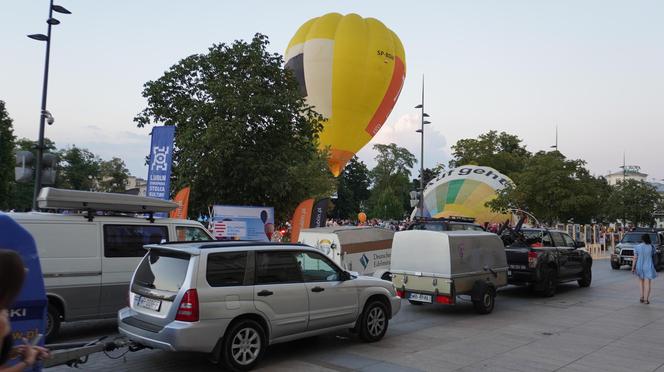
(244, 134)
(501, 151)
(6, 158)
(353, 190)
(23, 192)
(79, 169)
(633, 201)
(555, 189)
(391, 179)
(113, 175)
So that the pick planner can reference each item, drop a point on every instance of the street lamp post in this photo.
(43, 113)
(421, 132)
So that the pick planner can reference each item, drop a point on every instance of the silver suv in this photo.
(233, 299)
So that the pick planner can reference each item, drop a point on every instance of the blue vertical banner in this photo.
(161, 160)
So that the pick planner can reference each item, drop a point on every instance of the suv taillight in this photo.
(532, 259)
(188, 309)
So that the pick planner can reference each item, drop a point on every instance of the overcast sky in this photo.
(593, 68)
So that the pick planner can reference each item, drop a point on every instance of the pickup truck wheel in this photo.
(549, 282)
(373, 322)
(415, 302)
(52, 322)
(615, 265)
(486, 301)
(586, 277)
(244, 345)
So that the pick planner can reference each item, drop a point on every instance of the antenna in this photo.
(556, 145)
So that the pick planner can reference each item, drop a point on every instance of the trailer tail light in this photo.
(446, 300)
(532, 259)
(188, 309)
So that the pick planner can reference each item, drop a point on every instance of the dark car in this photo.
(544, 258)
(445, 224)
(624, 252)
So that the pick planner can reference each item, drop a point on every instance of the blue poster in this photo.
(161, 160)
(230, 222)
(28, 313)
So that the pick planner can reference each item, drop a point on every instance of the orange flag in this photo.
(301, 218)
(182, 198)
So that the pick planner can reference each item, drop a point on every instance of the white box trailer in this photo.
(363, 249)
(436, 266)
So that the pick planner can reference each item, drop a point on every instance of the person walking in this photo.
(644, 267)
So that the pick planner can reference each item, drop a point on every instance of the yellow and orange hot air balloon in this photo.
(351, 70)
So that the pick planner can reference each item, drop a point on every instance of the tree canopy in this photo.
(244, 134)
(353, 190)
(391, 180)
(634, 201)
(555, 189)
(6, 157)
(501, 151)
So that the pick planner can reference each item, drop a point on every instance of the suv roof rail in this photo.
(91, 202)
(450, 218)
(205, 244)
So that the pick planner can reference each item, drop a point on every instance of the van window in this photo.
(226, 269)
(128, 240)
(191, 234)
(277, 267)
(162, 270)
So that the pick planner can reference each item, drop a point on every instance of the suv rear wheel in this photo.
(549, 282)
(244, 345)
(586, 277)
(373, 322)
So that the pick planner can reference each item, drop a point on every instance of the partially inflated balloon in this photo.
(351, 69)
(464, 192)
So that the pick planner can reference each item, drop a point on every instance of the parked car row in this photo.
(183, 291)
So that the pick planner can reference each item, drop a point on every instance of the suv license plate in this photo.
(148, 303)
(419, 297)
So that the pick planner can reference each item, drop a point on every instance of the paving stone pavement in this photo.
(601, 328)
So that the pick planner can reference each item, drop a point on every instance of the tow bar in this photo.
(75, 353)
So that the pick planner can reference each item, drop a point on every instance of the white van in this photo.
(365, 250)
(88, 259)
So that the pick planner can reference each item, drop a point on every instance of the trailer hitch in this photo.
(74, 354)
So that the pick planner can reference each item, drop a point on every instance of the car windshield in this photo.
(635, 238)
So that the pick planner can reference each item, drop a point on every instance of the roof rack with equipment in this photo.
(91, 202)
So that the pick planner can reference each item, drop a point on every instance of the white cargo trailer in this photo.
(436, 266)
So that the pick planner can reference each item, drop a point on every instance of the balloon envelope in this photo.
(351, 70)
(463, 192)
(362, 217)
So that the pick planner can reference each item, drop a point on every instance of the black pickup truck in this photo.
(544, 258)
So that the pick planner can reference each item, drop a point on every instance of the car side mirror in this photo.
(578, 244)
(345, 275)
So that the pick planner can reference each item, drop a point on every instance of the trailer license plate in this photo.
(148, 303)
(419, 297)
